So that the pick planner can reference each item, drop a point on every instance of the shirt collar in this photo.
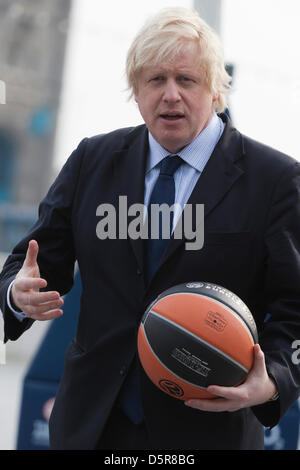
(197, 153)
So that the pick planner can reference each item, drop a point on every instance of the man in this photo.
(251, 201)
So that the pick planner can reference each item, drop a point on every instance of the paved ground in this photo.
(18, 357)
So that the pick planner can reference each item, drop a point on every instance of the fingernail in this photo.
(189, 403)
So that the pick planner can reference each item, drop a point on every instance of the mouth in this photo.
(172, 116)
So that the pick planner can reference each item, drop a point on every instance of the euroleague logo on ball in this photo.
(193, 285)
(171, 387)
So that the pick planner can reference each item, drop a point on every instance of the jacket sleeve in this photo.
(53, 232)
(282, 290)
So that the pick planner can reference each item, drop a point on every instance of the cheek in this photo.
(140, 103)
(201, 106)
(144, 111)
(147, 107)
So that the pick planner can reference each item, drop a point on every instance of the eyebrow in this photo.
(161, 71)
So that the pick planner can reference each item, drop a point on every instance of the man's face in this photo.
(173, 100)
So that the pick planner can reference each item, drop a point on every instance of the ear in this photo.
(136, 96)
(215, 97)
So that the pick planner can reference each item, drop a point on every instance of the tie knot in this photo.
(170, 164)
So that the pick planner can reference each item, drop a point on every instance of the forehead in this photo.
(185, 61)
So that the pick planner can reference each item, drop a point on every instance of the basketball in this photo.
(194, 335)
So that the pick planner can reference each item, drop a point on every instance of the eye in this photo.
(158, 78)
(185, 79)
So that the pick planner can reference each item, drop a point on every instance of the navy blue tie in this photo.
(163, 192)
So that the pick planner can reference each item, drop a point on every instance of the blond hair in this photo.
(163, 37)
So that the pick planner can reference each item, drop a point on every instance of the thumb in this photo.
(259, 359)
(31, 255)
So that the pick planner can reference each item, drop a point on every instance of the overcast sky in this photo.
(260, 38)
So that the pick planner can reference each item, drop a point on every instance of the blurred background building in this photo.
(33, 37)
(62, 78)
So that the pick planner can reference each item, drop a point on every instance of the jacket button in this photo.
(123, 370)
(139, 272)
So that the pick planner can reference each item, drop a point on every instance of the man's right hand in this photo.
(25, 292)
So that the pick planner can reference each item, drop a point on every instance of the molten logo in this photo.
(171, 387)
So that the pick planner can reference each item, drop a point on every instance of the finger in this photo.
(42, 308)
(31, 254)
(214, 405)
(49, 315)
(259, 365)
(27, 283)
(230, 393)
(258, 354)
(38, 298)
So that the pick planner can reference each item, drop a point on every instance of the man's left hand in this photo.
(258, 388)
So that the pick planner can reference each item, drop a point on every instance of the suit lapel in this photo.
(219, 175)
(129, 177)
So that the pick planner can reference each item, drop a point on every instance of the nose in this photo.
(171, 92)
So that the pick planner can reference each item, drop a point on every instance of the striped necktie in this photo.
(163, 193)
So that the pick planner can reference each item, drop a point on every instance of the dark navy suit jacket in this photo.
(251, 195)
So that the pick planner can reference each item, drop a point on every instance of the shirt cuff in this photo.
(19, 315)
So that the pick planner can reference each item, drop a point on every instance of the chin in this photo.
(174, 146)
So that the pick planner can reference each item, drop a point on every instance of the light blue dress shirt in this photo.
(195, 156)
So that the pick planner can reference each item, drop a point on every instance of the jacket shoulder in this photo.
(266, 156)
(115, 139)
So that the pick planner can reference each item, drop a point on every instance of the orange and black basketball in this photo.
(195, 335)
